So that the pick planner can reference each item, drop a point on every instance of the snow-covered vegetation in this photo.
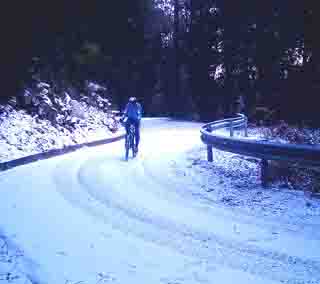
(41, 119)
(284, 133)
(294, 176)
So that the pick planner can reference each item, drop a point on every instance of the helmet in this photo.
(132, 99)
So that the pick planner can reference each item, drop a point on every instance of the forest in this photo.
(197, 59)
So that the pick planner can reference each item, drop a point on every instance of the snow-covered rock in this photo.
(77, 109)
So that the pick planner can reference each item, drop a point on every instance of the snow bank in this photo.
(22, 134)
(234, 180)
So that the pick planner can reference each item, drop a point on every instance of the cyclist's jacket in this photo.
(133, 111)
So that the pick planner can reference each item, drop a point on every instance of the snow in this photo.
(22, 134)
(167, 216)
(253, 134)
(11, 263)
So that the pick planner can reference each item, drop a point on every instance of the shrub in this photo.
(292, 174)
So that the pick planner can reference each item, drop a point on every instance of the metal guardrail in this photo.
(302, 154)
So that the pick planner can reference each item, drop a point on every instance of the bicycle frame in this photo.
(130, 141)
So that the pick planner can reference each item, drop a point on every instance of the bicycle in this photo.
(130, 142)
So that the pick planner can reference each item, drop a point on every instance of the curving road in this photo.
(92, 217)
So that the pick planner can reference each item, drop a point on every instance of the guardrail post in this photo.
(209, 153)
(246, 127)
(264, 172)
(231, 128)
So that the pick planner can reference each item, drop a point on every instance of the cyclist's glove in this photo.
(123, 119)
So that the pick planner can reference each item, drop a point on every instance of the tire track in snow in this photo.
(127, 217)
(200, 243)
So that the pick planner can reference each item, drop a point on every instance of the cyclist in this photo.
(133, 113)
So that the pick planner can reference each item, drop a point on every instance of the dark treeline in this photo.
(187, 58)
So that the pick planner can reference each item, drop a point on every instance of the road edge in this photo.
(4, 166)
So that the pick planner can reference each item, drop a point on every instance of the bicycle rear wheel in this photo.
(127, 148)
(132, 145)
(129, 143)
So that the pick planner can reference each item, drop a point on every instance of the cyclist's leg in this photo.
(137, 133)
(127, 127)
(127, 142)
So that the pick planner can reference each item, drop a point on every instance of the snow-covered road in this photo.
(90, 217)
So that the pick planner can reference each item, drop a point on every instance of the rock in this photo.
(77, 109)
